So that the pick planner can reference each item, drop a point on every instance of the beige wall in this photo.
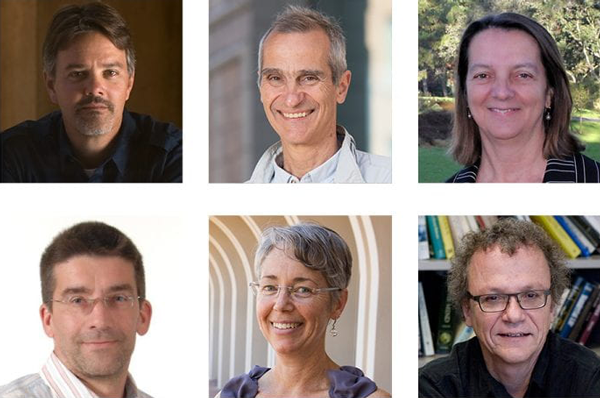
(156, 29)
(365, 328)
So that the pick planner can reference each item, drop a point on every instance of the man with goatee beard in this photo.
(89, 70)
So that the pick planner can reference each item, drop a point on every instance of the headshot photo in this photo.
(299, 306)
(311, 85)
(506, 93)
(93, 92)
(92, 311)
(509, 310)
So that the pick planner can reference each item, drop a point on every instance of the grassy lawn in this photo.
(436, 166)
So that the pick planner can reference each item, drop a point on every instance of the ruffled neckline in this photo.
(347, 382)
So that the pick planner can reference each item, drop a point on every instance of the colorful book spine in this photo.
(423, 241)
(445, 332)
(589, 326)
(572, 232)
(585, 315)
(588, 288)
(435, 234)
(556, 232)
(446, 236)
(589, 231)
(565, 310)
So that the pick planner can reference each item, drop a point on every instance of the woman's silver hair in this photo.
(318, 248)
(296, 19)
(508, 235)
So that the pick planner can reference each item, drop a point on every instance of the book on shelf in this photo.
(584, 226)
(446, 236)
(556, 232)
(445, 327)
(435, 238)
(576, 236)
(423, 240)
(591, 322)
(425, 328)
(571, 319)
(585, 315)
(565, 309)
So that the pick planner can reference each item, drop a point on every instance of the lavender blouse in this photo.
(348, 382)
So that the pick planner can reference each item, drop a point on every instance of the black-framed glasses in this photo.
(529, 300)
(83, 306)
(297, 292)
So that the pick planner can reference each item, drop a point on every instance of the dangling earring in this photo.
(333, 331)
(548, 116)
(469, 114)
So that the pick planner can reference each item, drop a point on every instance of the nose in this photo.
(283, 300)
(99, 315)
(513, 312)
(502, 89)
(293, 95)
(95, 85)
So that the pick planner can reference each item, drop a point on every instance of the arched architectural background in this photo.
(365, 328)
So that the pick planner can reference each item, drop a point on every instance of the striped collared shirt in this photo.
(577, 168)
(56, 381)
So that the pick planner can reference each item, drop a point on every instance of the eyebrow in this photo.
(522, 65)
(295, 280)
(115, 64)
(124, 287)
(301, 72)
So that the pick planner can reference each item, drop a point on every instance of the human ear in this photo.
(549, 95)
(145, 316)
(46, 317)
(341, 89)
(339, 306)
(130, 81)
(466, 310)
(49, 83)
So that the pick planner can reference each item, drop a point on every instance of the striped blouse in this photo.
(577, 168)
(56, 381)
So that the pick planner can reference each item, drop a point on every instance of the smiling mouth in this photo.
(514, 334)
(295, 115)
(503, 111)
(285, 326)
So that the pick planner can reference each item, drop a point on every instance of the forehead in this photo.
(497, 271)
(503, 47)
(93, 272)
(88, 47)
(283, 267)
(296, 50)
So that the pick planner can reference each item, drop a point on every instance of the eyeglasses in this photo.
(296, 292)
(529, 300)
(83, 306)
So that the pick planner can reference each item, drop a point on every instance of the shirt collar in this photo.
(64, 384)
(323, 173)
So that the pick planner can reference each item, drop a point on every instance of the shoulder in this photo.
(165, 135)
(25, 387)
(31, 130)
(590, 168)
(443, 377)
(374, 168)
(380, 394)
(468, 174)
(578, 357)
(244, 385)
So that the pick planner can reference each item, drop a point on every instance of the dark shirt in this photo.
(563, 369)
(577, 168)
(145, 150)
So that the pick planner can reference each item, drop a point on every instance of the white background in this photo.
(169, 224)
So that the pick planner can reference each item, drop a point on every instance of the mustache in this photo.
(100, 335)
(92, 99)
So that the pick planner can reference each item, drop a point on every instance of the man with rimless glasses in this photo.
(93, 291)
(506, 282)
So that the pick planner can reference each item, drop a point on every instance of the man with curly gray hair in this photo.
(506, 281)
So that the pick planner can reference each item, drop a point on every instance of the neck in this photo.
(301, 159)
(296, 376)
(113, 387)
(91, 151)
(513, 160)
(514, 377)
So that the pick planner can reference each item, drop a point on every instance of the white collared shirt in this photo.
(324, 173)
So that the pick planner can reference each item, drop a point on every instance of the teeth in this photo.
(285, 325)
(515, 334)
(502, 111)
(295, 115)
